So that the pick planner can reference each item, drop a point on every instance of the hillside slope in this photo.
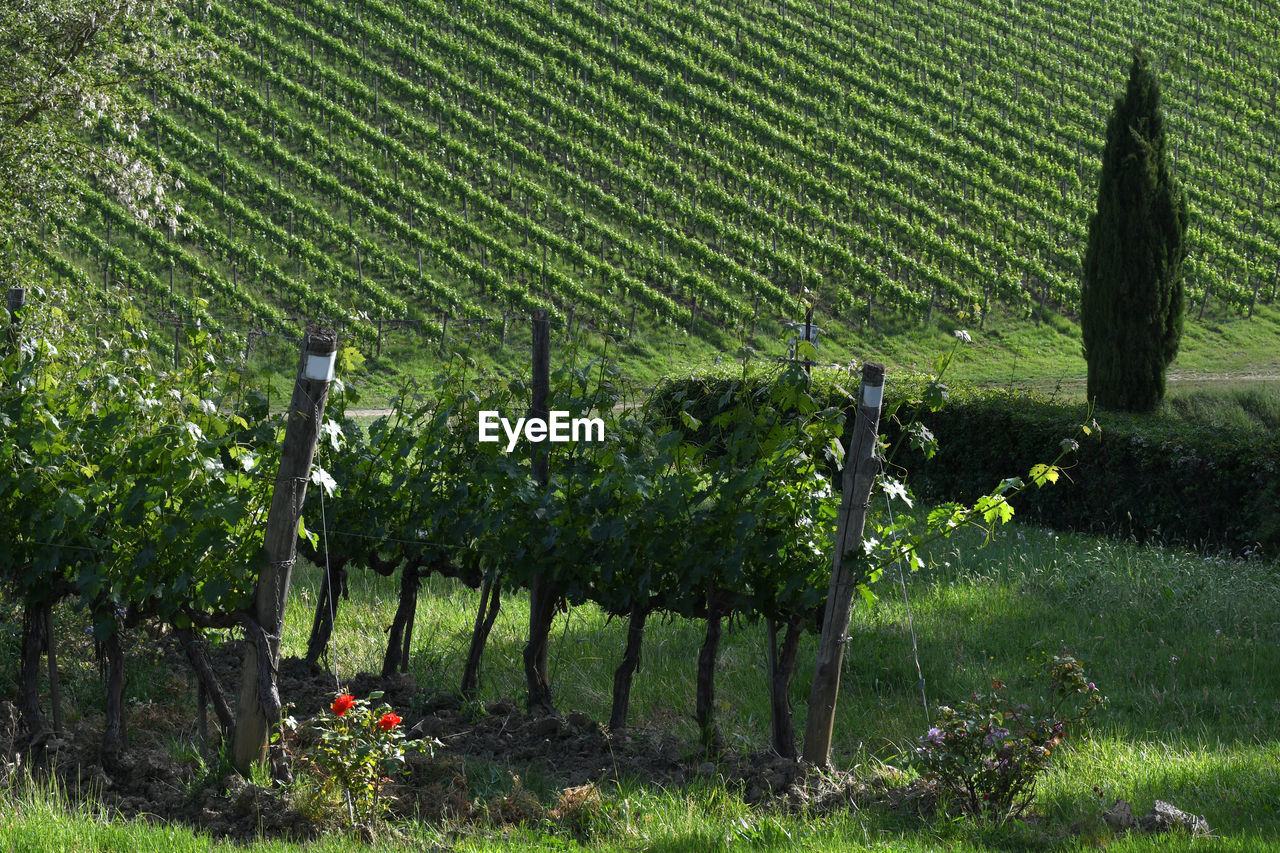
(686, 162)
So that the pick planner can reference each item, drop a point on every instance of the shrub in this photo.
(988, 752)
(1155, 477)
(356, 749)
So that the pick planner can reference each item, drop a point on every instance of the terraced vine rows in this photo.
(408, 158)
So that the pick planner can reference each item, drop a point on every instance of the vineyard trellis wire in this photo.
(622, 523)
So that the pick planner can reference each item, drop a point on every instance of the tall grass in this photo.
(39, 816)
(1185, 645)
(1176, 639)
(1244, 405)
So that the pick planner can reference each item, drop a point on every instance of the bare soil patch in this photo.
(576, 754)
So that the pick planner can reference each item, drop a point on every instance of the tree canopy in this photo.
(67, 67)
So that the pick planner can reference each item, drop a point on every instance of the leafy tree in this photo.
(1131, 294)
(65, 67)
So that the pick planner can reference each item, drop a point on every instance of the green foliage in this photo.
(622, 522)
(1131, 293)
(1154, 477)
(988, 751)
(740, 520)
(125, 482)
(1193, 476)
(66, 65)
(776, 164)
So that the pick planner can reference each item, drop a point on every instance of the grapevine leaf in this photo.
(323, 479)
(1041, 474)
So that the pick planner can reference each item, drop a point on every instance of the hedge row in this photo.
(1153, 477)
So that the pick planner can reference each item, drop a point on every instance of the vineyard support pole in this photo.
(259, 704)
(860, 469)
(808, 336)
(543, 589)
(14, 301)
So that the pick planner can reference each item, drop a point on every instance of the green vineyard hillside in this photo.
(689, 161)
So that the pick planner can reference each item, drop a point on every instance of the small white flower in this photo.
(964, 336)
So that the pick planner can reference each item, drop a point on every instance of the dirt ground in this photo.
(572, 755)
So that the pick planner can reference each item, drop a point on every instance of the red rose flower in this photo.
(343, 704)
(388, 722)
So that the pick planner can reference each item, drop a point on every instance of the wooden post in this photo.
(631, 327)
(379, 355)
(16, 298)
(541, 388)
(543, 589)
(808, 337)
(860, 470)
(259, 705)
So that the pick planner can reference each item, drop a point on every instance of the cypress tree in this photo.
(1131, 294)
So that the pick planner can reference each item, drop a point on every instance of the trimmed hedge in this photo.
(1153, 477)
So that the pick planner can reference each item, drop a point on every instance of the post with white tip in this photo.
(14, 301)
(259, 705)
(860, 470)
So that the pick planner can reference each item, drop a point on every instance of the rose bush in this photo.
(988, 752)
(356, 749)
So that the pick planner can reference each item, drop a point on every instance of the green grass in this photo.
(41, 818)
(1223, 356)
(1185, 645)
(1247, 405)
